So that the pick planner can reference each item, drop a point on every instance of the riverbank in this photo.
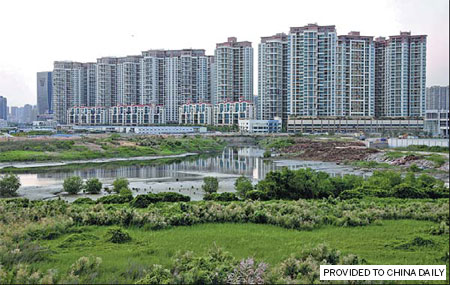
(102, 147)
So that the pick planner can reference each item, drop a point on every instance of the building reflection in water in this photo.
(238, 161)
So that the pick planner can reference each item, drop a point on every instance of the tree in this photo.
(119, 184)
(73, 185)
(243, 185)
(9, 184)
(210, 184)
(267, 154)
(93, 186)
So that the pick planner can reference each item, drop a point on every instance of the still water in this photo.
(184, 175)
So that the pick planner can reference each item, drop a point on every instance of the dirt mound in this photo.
(335, 151)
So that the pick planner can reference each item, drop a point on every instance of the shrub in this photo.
(84, 266)
(414, 168)
(119, 184)
(157, 275)
(248, 272)
(125, 192)
(405, 190)
(267, 154)
(210, 184)
(115, 199)
(84, 200)
(257, 195)
(93, 186)
(242, 186)
(73, 185)
(117, 235)
(173, 197)
(9, 184)
(224, 197)
(351, 194)
(142, 201)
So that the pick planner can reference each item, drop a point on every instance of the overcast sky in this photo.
(33, 34)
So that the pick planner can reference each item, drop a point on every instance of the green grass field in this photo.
(386, 243)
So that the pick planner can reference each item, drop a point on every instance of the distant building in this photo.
(437, 123)
(272, 77)
(437, 98)
(355, 76)
(405, 75)
(260, 126)
(3, 108)
(90, 116)
(233, 63)
(137, 115)
(354, 125)
(44, 92)
(312, 71)
(144, 130)
(196, 114)
(229, 113)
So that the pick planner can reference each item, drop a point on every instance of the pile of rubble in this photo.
(335, 151)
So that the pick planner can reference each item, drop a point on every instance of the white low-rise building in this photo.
(87, 116)
(143, 130)
(196, 114)
(260, 126)
(137, 115)
(437, 123)
(229, 113)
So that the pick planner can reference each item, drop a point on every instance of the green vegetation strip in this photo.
(111, 147)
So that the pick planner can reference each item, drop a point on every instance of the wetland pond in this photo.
(181, 174)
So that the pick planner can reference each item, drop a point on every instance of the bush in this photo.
(93, 186)
(84, 200)
(267, 154)
(257, 195)
(117, 235)
(157, 275)
(414, 168)
(351, 194)
(210, 184)
(115, 199)
(85, 266)
(242, 186)
(142, 201)
(125, 192)
(119, 184)
(224, 197)
(73, 185)
(405, 190)
(9, 184)
(173, 197)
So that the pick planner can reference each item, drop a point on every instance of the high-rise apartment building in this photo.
(106, 89)
(44, 92)
(233, 71)
(355, 76)
(90, 83)
(312, 71)
(380, 77)
(3, 108)
(272, 77)
(405, 75)
(437, 98)
(67, 88)
(129, 80)
(175, 77)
